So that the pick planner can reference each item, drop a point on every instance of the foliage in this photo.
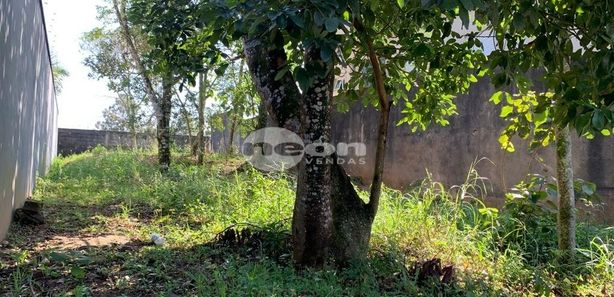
(180, 46)
(122, 193)
(238, 99)
(127, 115)
(107, 59)
(564, 49)
(59, 74)
(426, 60)
(415, 43)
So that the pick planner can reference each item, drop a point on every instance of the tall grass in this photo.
(507, 252)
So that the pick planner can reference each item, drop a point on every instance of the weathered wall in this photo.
(28, 117)
(74, 141)
(448, 152)
(220, 139)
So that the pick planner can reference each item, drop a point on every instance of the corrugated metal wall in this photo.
(28, 107)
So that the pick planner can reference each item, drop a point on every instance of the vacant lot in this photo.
(226, 227)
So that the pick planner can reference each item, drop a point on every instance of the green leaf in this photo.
(59, 257)
(588, 189)
(599, 120)
(506, 144)
(496, 97)
(298, 21)
(332, 24)
(346, 15)
(464, 16)
(326, 54)
(540, 118)
(506, 111)
(401, 3)
(449, 4)
(281, 73)
(303, 78)
(422, 50)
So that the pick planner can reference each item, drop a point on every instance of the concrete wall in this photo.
(220, 139)
(28, 113)
(74, 141)
(448, 152)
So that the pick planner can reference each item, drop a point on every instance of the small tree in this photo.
(177, 56)
(238, 98)
(568, 46)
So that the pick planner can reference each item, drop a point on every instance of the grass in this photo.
(102, 207)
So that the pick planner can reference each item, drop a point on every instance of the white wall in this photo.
(28, 109)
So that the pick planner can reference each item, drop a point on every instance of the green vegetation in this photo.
(121, 196)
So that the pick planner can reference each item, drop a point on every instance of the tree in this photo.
(177, 56)
(416, 47)
(154, 65)
(59, 74)
(566, 47)
(107, 60)
(238, 98)
(294, 51)
(184, 117)
(205, 91)
(126, 114)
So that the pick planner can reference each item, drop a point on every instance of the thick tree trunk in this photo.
(263, 117)
(163, 129)
(281, 97)
(312, 223)
(567, 200)
(351, 218)
(202, 98)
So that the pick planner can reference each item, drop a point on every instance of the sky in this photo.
(82, 99)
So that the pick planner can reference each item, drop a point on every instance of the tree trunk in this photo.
(233, 129)
(382, 135)
(163, 129)
(312, 223)
(202, 97)
(134, 136)
(120, 13)
(351, 219)
(567, 200)
(187, 118)
(159, 104)
(263, 117)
